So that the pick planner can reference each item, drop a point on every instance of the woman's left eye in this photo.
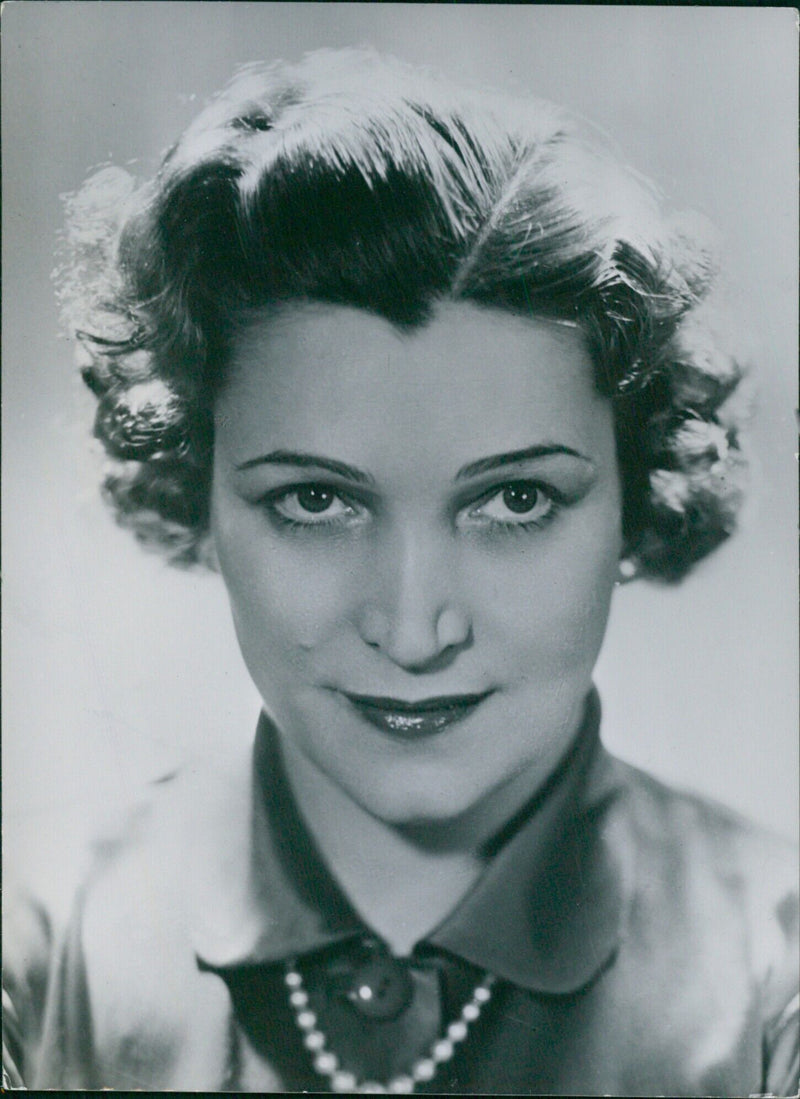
(312, 505)
(516, 504)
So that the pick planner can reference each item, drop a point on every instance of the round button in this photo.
(381, 988)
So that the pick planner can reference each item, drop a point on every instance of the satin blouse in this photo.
(643, 941)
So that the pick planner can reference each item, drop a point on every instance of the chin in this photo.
(419, 800)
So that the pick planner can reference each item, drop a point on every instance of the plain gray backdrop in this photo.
(117, 668)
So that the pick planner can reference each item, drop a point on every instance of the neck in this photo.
(402, 880)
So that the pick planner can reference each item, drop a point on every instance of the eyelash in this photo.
(271, 503)
(555, 501)
(272, 500)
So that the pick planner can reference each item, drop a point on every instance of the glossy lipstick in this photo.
(415, 720)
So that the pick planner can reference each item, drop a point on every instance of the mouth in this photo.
(415, 720)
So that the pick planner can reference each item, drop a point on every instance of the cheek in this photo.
(550, 607)
(550, 626)
(283, 599)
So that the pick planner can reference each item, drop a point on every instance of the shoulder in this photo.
(27, 948)
(52, 935)
(725, 876)
(148, 879)
(127, 958)
(689, 816)
(699, 832)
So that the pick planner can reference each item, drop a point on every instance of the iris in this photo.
(521, 497)
(314, 498)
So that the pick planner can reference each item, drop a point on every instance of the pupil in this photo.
(314, 499)
(520, 498)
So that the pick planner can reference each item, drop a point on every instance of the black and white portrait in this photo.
(400, 617)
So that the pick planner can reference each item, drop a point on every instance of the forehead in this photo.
(473, 379)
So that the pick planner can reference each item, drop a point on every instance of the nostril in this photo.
(434, 662)
(452, 628)
(415, 642)
(373, 627)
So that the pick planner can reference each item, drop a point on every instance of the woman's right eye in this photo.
(314, 505)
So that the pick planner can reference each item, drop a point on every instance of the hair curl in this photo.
(353, 179)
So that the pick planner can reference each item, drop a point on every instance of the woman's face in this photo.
(419, 534)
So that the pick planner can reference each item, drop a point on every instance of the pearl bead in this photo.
(401, 1085)
(424, 1070)
(443, 1050)
(627, 568)
(457, 1032)
(326, 1063)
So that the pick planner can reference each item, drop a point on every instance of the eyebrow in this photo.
(351, 473)
(497, 461)
(306, 461)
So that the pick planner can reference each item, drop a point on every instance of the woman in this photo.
(424, 375)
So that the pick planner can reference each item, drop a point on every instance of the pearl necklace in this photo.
(326, 1063)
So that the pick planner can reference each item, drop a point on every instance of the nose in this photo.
(415, 616)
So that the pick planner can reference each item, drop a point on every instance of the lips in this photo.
(415, 720)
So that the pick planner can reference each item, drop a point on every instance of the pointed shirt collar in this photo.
(546, 914)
